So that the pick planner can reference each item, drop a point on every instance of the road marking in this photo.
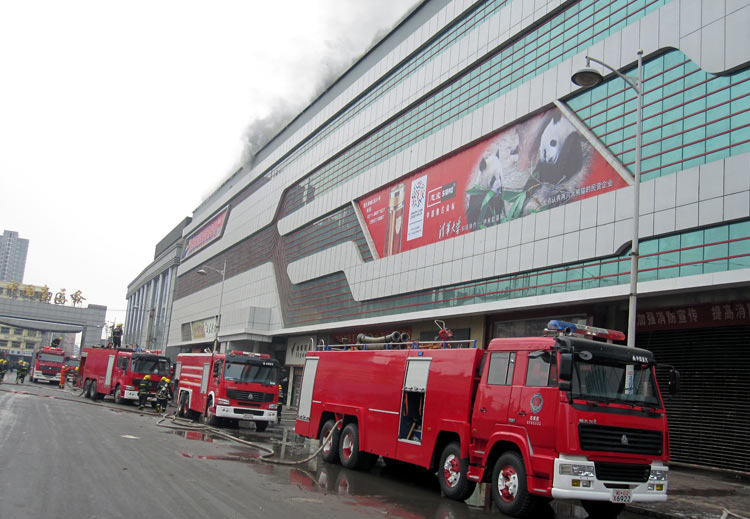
(129, 437)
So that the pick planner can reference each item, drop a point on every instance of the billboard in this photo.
(206, 234)
(535, 165)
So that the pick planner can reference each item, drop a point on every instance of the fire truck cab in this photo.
(538, 417)
(119, 372)
(46, 364)
(234, 386)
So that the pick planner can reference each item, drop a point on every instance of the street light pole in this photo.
(223, 273)
(589, 77)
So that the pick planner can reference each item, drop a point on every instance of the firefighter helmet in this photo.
(164, 379)
(147, 377)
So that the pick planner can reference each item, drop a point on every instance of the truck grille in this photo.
(50, 369)
(619, 439)
(249, 396)
(622, 472)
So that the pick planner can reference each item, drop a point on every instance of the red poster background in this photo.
(458, 187)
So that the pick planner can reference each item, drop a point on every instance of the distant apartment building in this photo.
(12, 256)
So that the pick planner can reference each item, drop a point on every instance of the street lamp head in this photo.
(587, 77)
(202, 272)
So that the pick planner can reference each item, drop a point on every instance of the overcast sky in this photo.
(118, 118)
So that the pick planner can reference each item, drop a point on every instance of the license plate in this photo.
(620, 495)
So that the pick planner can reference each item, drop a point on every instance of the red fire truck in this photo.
(46, 364)
(119, 371)
(538, 418)
(234, 386)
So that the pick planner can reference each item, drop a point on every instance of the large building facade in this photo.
(455, 172)
(13, 252)
(149, 296)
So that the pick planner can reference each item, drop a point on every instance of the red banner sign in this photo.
(541, 163)
(696, 316)
(206, 234)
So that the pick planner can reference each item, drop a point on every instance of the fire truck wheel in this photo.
(349, 453)
(209, 418)
(261, 426)
(509, 490)
(182, 408)
(452, 474)
(602, 509)
(119, 400)
(330, 453)
(94, 394)
(87, 389)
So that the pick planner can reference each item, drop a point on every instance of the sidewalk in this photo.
(698, 494)
(693, 493)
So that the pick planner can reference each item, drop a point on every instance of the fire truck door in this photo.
(539, 398)
(108, 375)
(494, 394)
(204, 378)
(306, 393)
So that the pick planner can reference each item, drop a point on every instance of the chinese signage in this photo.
(14, 290)
(297, 348)
(204, 329)
(696, 316)
(206, 234)
(541, 163)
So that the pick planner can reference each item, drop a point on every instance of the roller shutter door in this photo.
(709, 419)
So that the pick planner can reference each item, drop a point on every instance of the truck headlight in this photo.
(569, 469)
(273, 406)
(222, 401)
(658, 475)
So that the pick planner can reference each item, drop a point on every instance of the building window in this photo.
(16, 344)
(17, 331)
(4, 329)
(3, 344)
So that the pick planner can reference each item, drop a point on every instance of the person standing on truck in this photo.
(162, 395)
(143, 391)
(21, 371)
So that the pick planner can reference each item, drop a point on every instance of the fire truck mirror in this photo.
(566, 367)
(674, 381)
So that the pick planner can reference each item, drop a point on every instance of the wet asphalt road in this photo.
(62, 457)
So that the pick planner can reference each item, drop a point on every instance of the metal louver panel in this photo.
(619, 439)
(710, 417)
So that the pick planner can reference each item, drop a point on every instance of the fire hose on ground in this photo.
(190, 426)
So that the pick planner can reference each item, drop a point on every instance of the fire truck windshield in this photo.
(257, 372)
(151, 366)
(606, 383)
(48, 357)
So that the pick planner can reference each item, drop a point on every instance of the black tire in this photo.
(509, 490)
(87, 389)
(208, 417)
(119, 400)
(452, 470)
(602, 509)
(349, 454)
(330, 454)
(261, 426)
(183, 409)
(94, 394)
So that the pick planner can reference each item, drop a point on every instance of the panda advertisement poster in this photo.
(541, 163)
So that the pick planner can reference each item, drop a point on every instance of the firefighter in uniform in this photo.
(162, 395)
(3, 369)
(21, 371)
(63, 375)
(280, 404)
(143, 392)
(117, 335)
